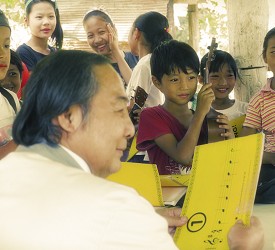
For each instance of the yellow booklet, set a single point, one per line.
(237, 125)
(171, 195)
(133, 150)
(221, 190)
(174, 180)
(144, 178)
(159, 190)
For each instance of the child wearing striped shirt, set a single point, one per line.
(260, 117)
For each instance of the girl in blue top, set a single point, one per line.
(42, 17)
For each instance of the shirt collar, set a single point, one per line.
(267, 87)
(84, 166)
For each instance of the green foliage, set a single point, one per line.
(212, 23)
(12, 3)
(181, 33)
(14, 9)
(15, 12)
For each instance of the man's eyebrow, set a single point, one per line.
(122, 98)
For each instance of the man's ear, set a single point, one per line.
(70, 120)
(156, 82)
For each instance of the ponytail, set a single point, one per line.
(57, 35)
(155, 28)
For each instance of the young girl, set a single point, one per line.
(42, 17)
(148, 31)
(170, 132)
(102, 38)
(9, 103)
(260, 117)
(223, 73)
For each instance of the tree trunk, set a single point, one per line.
(193, 26)
(170, 17)
(247, 27)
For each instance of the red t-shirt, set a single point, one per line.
(155, 122)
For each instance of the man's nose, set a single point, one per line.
(129, 128)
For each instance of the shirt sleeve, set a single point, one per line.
(253, 115)
(27, 57)
(134, 224)
(141, 76)
(151, 126)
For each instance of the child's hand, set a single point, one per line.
(224, 124)
(131, 104)
(205, 98)
(134, 112)
(136, 117)
(113, 41)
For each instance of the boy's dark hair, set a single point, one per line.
(171, 55)
(16, 60)
(3, 20)
(155, 28)
(56, 83)
(57, 35)
(269, 34)
(220, 58)
(98, 13)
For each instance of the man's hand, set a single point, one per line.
(173, 217)
(241, 237)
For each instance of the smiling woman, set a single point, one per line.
(102, 38)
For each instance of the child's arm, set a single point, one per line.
(183, 151)
(124, 68)
(248, 131)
